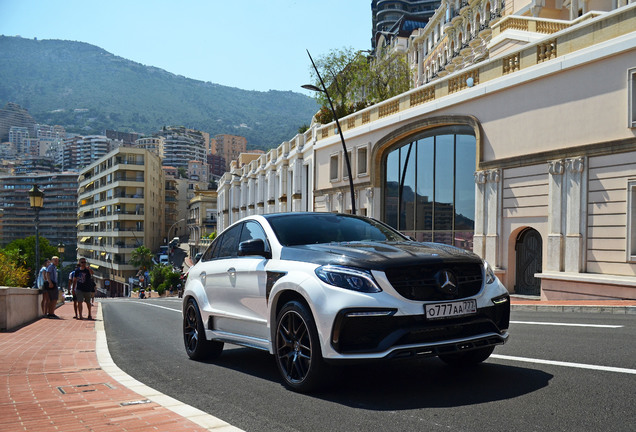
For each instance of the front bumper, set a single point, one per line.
(358, 335)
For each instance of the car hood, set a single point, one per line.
(377, 255)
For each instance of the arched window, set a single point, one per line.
(429, 189)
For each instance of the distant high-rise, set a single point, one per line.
(386, 13)
(182, 145)
(14, 115)
(229, 146)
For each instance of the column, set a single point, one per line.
(493, 197)
(554, 259)
(479, 239)
(576, 214)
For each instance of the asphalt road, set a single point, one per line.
(559, 372)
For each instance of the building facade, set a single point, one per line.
(58, 216)
(202, 214)
(121, 205)
(182, 145)
(549, 148)
(229, 147)
(386, 13)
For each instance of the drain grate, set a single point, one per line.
(84, 388)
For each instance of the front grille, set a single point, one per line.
(356, 335)
(420, 283)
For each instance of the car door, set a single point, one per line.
(217, 271)
(250, 284)
(235, 285)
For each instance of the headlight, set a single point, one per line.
(348, 278)
(490, 274)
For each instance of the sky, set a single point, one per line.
(249, 44)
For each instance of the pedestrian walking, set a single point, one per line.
(84, 287)
(71, 289)
(40, 284)
(51, 287)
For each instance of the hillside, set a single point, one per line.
(87, 90)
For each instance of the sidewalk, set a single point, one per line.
(524, 303)
(57, 375)
(52, 380)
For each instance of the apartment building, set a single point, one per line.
(229, 147)
(202, 214)
(155, 144)
(58, 216)
(182, 145)
(121, 206)
(385, 14)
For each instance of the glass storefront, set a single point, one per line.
(429, 187)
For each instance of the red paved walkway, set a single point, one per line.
(50, 380)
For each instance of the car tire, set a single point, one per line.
(297, 348)
(467, 358)
(196, 345)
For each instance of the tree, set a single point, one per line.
(302, 129)
(356, 80)
(23, 250)
(163, 277)
(141, 257)
(12, 274)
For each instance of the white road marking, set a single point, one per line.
(157, 306)
(565, 364)
(566, 324)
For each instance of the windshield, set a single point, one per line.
(313, 228)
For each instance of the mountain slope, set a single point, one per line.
(88, 90)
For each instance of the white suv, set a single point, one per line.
(320, 288)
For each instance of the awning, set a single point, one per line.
(84, 239)
(96, 267)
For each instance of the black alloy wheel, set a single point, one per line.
(298, 354)
(196, 345)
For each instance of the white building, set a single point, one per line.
(527, 157)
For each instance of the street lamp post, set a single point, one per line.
(60, 249)
(36, 201)
(342, 140)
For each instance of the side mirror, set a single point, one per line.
(253, 247)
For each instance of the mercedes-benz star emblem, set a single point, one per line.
(447, 282)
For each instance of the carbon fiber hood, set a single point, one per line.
(377, 255)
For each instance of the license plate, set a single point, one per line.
(450, 309)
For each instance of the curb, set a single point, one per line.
(107, 364)
(617, 310)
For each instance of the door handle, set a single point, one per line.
(202, 276)
(231, 271)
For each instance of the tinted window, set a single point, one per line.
(252, 230)
(211, 251)
(429, 188)
(229, 241)
(293, 230)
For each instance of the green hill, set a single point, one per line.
(88, 90)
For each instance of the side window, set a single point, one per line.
(212, 250)
(253, 230)
(229, 242)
